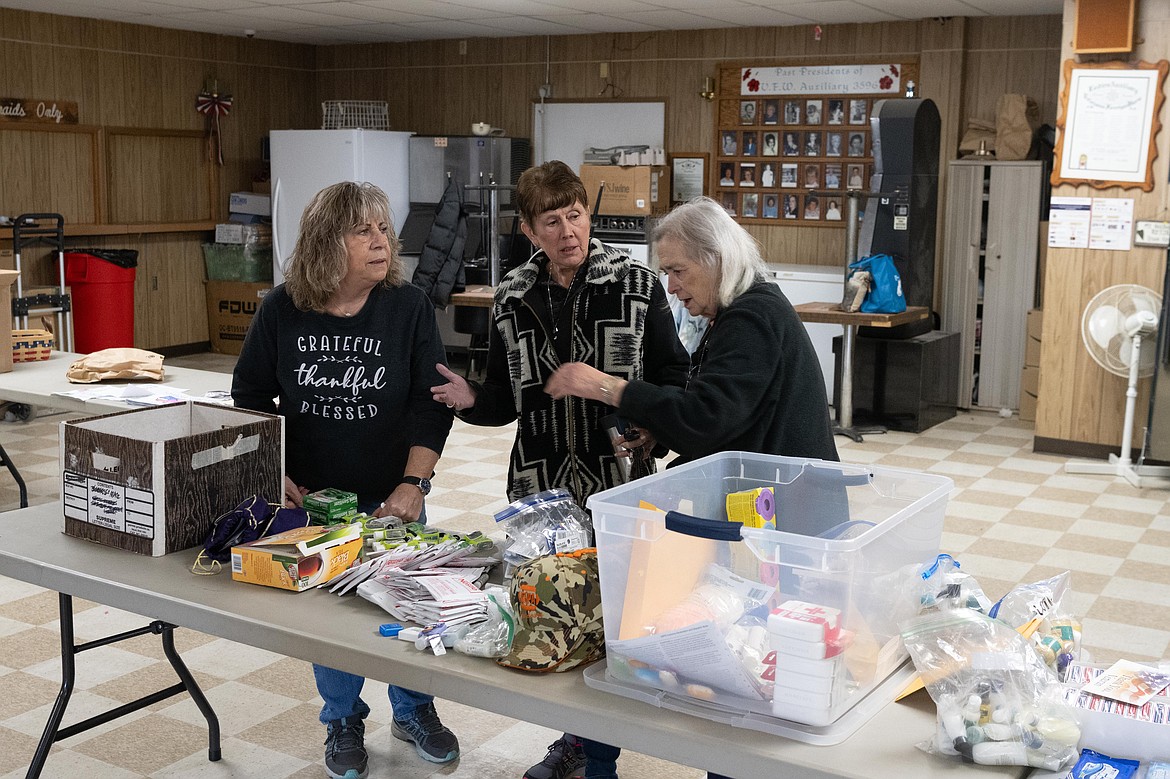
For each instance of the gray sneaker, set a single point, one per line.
(432, 740)
(565, 760)
(345, 749)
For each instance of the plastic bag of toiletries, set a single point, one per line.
(942, 586)
(1026, 602)
(544, 523)
(492, 637)
(720, 596)
(998, 703)
(1057, 635)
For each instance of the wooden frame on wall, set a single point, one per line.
(786, 130)
(688, 175)
(1109, 123)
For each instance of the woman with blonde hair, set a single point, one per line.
(348, 348)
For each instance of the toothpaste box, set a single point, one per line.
(298, 559)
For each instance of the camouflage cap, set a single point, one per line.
(557, 600)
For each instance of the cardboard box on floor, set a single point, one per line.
(1030, 378)
(1029, 392)
(153, 480)
(631, 190)
(230, 308)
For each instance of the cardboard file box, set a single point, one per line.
(152, 481)
(298, 559)
(640, 189)
(845, 536)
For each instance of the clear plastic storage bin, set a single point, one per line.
(847, 543)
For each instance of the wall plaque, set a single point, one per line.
(32, 109)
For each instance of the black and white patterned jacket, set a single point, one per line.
(621, 324)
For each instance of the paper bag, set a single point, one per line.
(1016, 120)
(979, 135)
(120, 363)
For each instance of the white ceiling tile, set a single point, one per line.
(1016, 8)
(610, 7)
(239, 20)
(912, 9)
(337, 21)
(669, 20)
(205, 5)
(587, 22)
(837, 12)
(508, 7)
(559, 24)
(448, 28)
(363, 12)
(753, 16)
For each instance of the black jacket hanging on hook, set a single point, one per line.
(440, 265)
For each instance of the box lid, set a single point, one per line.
(309, 540)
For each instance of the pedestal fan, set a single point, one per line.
(1115, 323)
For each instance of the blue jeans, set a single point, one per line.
(342, 694)
(601, 761)
(341, 691)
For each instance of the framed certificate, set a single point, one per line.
(1109, 123)
(688, 176)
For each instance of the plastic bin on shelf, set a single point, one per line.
(102, 282)
(847, 538)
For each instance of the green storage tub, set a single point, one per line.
(237, 262)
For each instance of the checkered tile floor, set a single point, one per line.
(1014, 516)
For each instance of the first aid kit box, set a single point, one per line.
(797, 624)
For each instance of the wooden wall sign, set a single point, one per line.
(31, 109)
(786, 131)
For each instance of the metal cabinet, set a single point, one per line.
(989, 274)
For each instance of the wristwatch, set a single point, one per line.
(424, 485)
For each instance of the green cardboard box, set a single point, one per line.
(330, 505)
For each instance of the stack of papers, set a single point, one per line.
(427, 597)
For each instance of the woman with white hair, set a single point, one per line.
(755, 382)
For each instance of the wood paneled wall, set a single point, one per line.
(142, 77)
(135, 90)
(1079, 401)
(433, 89)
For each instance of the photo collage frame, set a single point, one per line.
(783, 148)
(778, 154)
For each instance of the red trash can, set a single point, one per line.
(102, 282)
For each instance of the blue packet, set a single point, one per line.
(1094, 765)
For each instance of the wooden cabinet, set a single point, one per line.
(989, 274)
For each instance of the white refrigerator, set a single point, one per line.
(814, 284)
(306, 161)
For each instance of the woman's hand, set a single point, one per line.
(584, 381)
(639, 443)
(405, 502)
(293, 494)
(456, 393)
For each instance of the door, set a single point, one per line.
(961, 300)
(1009, 281)
(304, 162)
